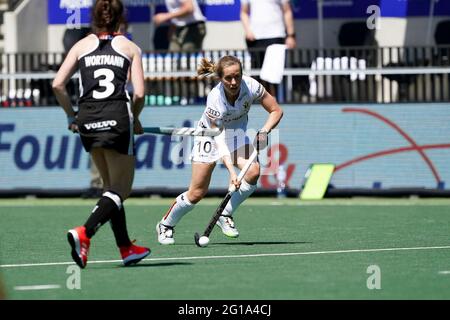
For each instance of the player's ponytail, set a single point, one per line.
(208, 68)
(107, 15)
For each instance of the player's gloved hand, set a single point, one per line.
(72, 124)
(261, 140)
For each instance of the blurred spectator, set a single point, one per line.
(189, 24)
(267, 22)
(73, 35)
(161, 37)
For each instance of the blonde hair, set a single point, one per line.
(208, 68)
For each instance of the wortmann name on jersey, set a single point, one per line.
(105, 59)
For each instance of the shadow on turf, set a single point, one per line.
(253, 243)
(159, 264)
(144, 264)
(260, 243)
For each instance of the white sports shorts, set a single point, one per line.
(205, 148)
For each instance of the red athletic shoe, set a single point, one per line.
(133, 254)
(80, 245)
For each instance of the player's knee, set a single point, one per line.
(196, 195)
(124, 193)
(253, 173)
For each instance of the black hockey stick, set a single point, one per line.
(225, 200)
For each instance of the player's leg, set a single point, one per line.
(102, 168)
(79, 237)
(121, 173)
(111, 201)
(185, 202)
(248, 186)
(204, 157)
(118, 221)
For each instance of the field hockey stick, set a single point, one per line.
(224, 202)
(183, 131)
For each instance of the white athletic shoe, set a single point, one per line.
(165, 234)
(227, 225)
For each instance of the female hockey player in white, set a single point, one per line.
(228, 103)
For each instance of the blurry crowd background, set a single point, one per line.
(320, 35)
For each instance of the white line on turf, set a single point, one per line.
(444, 272)
(37, 287)
(235, 256)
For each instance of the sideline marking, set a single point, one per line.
(37, 287)
(444, 272)
(233, 256)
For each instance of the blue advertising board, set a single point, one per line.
(373, 146)
(308, 9)
(139, 11)
(62, 11)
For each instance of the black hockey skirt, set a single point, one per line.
(106, 125)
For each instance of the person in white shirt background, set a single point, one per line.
(188, 22)
(267, 22)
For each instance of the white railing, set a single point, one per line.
(312, 75)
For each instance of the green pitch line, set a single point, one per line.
(286, 250)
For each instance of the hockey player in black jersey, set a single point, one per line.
(107, 120)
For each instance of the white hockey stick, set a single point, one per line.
(183, 131)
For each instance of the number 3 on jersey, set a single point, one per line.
(105, 83)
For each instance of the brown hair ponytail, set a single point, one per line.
(107, 15)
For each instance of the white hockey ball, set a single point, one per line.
(203, 241)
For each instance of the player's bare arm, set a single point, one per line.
(134, 53)
(63, 76)
(273, 108)
(186, 8)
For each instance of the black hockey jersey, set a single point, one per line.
(103, 73)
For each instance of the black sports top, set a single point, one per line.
(103, 73)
